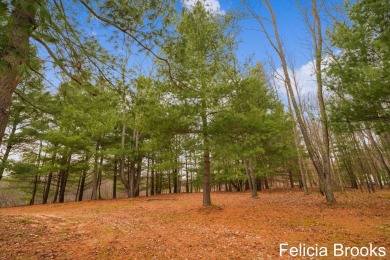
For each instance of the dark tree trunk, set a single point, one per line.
(290, 176)
(259, 184)
(78, 187)
(57, 187)
(186, 168)
(82, 186)
(266, 184)
(235, 185)
(169, 183)
(115, 179)
(83, 177)
(34, 192)
(152, 181)
(47, 189)
(175, 181)
(64, 178)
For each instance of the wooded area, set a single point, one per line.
(82, 119)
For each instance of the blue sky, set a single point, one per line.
(252, 42)
(292, 30)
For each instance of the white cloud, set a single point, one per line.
(212, 6)
(304, 77)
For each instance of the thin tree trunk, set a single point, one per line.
(57, 187)
(124, 180)
(114, 182)
(64, 178)
(95, 180)
(322, 167)
(100, 175)
(147, 177)
(186, 169)
(32, 200)
(290, 177)
(152, 178)
(138, 179)
(251, 178)
(368, 153)
(380, 155)
(297, 145)
(206, 159)
(169, 183)
(47, 189)
(83, 177)
(8, 147)
(131, 180)
(318, 42)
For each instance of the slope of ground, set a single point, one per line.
(177, 227)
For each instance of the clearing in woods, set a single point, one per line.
(176, 226)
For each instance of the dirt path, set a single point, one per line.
(177, 227)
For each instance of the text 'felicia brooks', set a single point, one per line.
(338, 250)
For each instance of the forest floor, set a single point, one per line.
(176, 226)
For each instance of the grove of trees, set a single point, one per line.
(158, 102)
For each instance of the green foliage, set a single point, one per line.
(252, 126)
(197, 102)
(359, 74)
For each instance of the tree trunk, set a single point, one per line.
(186, 168)
(57, 187)
(95, 180)
(64, 177)
(34, 192)
(206, 159)
(376, 176)
(15, 53)
(152, 178)
(138, 179)
(147, 178)
(100, 175)
(124, 180)
(47, 189)
(290, 177)
(82, 186)
(83, 177)
(10, 143)
(321, 167)
(131, 180)
(169, 183)
(115, 179)
(175, 181)
(380, 155)
(251, 178)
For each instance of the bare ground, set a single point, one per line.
(177, 227)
